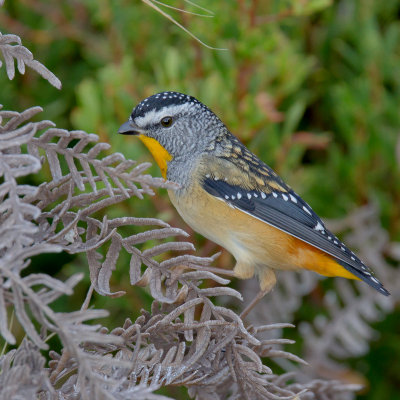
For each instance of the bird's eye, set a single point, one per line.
(166, 122)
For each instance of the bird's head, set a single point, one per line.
(172, 126)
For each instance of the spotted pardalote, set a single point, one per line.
(231, 197)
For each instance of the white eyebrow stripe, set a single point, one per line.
(154, 116)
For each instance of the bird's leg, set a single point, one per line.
(267, 282)
(253, 303)
(243, 270)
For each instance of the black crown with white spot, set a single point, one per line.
(164, 99)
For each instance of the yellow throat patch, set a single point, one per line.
(160, 155)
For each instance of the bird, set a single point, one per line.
(227, 194)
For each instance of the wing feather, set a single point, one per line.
(285, 210)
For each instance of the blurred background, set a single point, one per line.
(310, 86)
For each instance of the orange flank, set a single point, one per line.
(318, 261)
(257, 246)
(158, 152)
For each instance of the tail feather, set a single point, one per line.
(366, 276)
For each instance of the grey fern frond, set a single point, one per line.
(23, 374)
(17, 227)
(346, 331)
(203, 363)
(323, 389)
(12, 49)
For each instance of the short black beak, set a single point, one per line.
(129, 128)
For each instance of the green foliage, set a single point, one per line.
(312, 87)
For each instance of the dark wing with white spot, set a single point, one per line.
(286, 211)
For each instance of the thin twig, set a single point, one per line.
(166, 15)
(181, 9)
